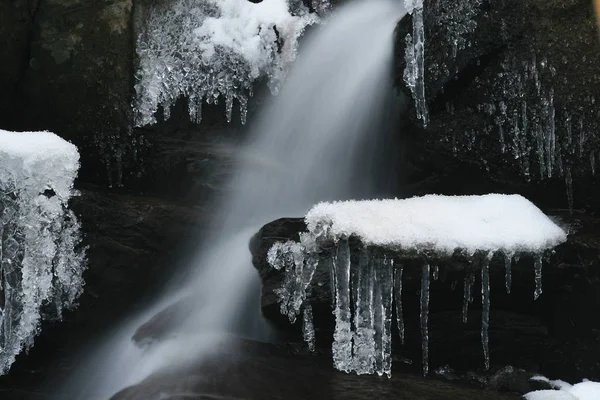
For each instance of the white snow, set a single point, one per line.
(42, 157)
(586, 390)
(494, 222)
(209, 49)
(41, 263)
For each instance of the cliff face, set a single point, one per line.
(511, 88)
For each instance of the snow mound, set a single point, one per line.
(494, 222)
(209, 49)
(41, 260)
(586, 390)
(550, 395)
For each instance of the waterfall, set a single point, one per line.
(319, 139)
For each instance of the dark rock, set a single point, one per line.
(519, 71)
(252, 370)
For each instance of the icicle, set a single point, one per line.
(308, 328)
(386, 284)
(342, 336)
(398, 273)
(538, 264)
(569, 185)
(414, 73)
(468, 295)
(228, 106)
(425, 317)
(508, 269)
(436, 272)
(485, 307)
(364, 327)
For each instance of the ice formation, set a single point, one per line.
(209, 50)
(414, 72)
(586, 390)
(367, 277)
(41, 260)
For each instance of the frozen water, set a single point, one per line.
(538, 264)
(211, 50)
(398, 272)
(41, 262)
(508, 271)
(414, 72)
(485, 309)
(342, 336)
(425, 281)
(509, 223)
(468, 295)
(308, 327)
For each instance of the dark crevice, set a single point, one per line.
(461, 80)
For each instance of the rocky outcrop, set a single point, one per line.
(553, 335)
(511, 88)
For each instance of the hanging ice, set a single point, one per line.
(342, 336)
(485, 308)
(468, 295)
(364, 318)
(538, 276)
(209, 50)
(425, 279)
(398, 272)
(366, 281)
(414, 72)
(41, 262)
(508, 271)
(308, 327)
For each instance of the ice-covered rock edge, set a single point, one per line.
(41, 257)
(209, 50)
(365, 291)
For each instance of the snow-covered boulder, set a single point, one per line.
(366, 245)
(41, 259)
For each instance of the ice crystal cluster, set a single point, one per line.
(215, 50)
(41, 260)
(367, 280)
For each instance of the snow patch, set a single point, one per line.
(586, 390)
(494, 222)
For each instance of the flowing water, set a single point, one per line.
(320, 139)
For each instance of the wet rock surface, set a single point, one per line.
(554, 335)
(250, 370)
